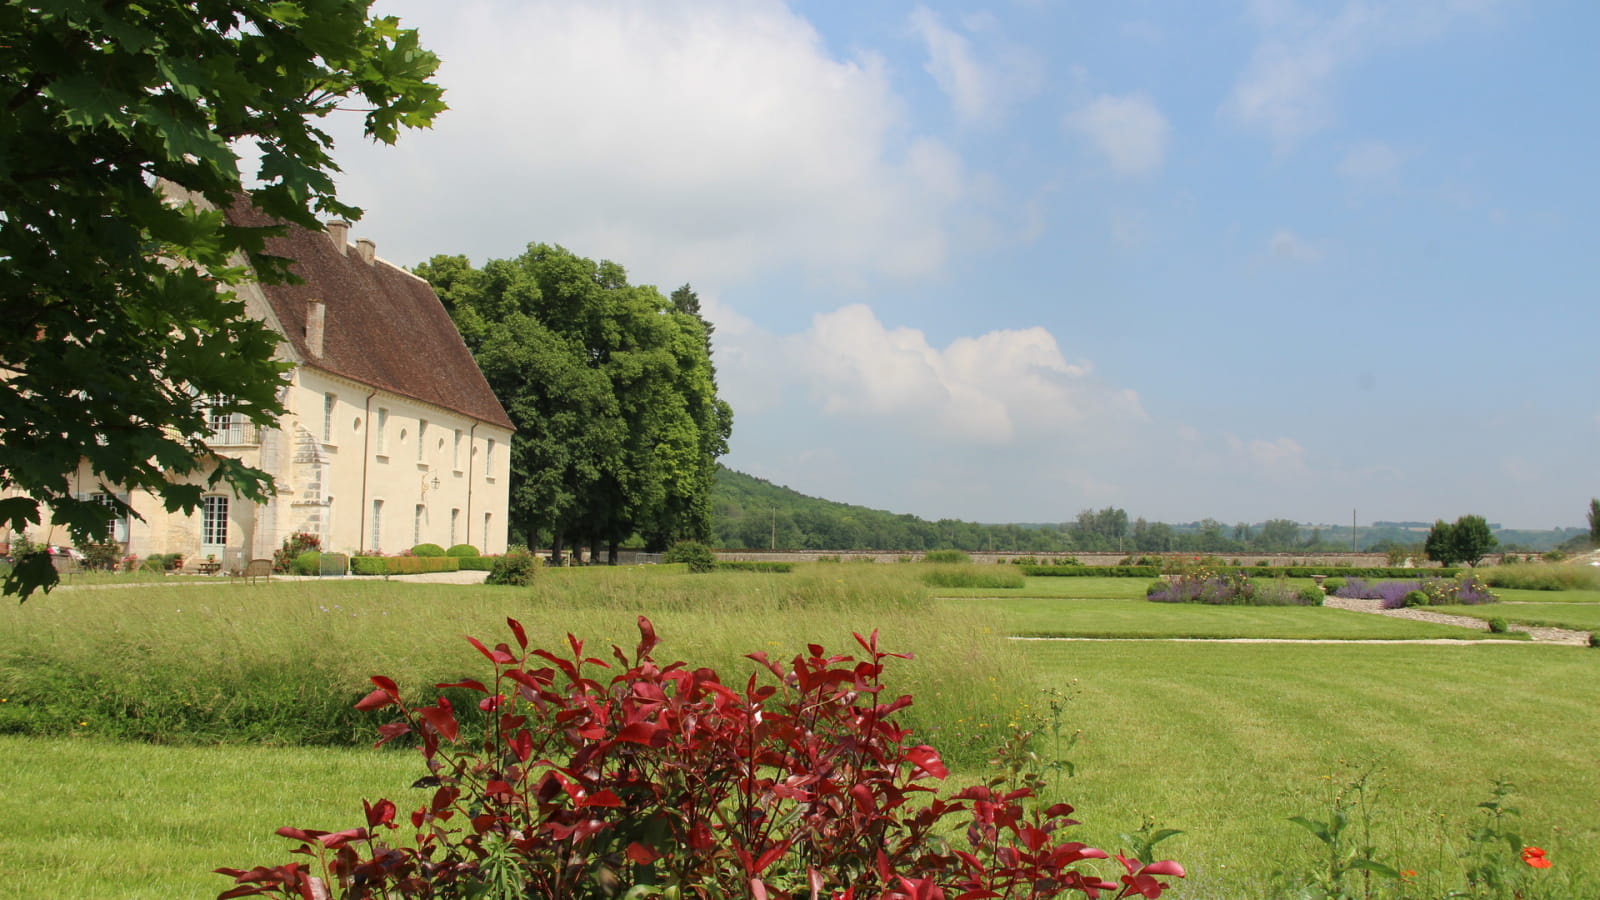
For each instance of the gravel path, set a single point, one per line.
(1542, 635)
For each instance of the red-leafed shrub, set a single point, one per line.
(662, 781)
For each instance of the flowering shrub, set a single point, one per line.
(293, 546)
(1464, 590)
(665, 782)
(1204, 582)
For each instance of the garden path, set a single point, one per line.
(1542, 635)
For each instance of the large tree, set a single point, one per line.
(612, 390)
(120, 331)
(1468, 540)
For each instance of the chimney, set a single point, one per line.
(316, 322)
(367, 250)
(339, 233)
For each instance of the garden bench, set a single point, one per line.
(257, 568)
(66, 565)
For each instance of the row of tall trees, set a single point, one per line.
(611, 388)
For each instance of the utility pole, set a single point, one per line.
(774, 528)
(1352, 531)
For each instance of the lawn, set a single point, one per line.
(1041, 617)
(1511, 595)
(1222, 740)
(1574, 616)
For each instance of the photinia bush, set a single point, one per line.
(661, 781)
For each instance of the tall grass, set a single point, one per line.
(1543, 577)
(283, 663)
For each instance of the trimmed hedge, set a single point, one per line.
(1093, 571)
(463, 550)
(402, 565)
(476, 563)
(756, 566)
(427, 550)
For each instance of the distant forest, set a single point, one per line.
(755, 514)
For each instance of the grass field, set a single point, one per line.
(1222, 740)
(1574, 616)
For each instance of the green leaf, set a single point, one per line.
(88, 103)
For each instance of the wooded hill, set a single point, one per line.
(753, 513)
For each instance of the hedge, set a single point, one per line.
(476, 563)
(1093, 571)
(402, 565)
(756, 566)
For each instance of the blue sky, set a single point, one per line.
(1005, 262)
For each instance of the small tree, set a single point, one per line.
(1472, 539)
(1594, 521)
(1441, 545)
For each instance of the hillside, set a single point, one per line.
(753, 513)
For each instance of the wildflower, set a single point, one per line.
(1535, 857)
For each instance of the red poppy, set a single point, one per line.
(1535, 857)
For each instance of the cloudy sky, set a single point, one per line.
(1007, 261)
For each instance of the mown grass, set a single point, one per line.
(1086, 587)
(1044, 617)
(1224, 741)
(1574, 616)
(1512, 595)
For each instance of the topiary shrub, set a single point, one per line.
(1497, 625)
(307, 563)
(1594, 638)
(946, 556)
(462, 550)
(1333, 584)
(1415, 598)
(429, 550)
(1311, 596)
(517, 567)
(697, 556)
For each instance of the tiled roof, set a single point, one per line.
(384, 326)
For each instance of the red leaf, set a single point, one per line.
(465, 683)
(378, 699)
(638, 733)
(391, 731)
(641, 854)
(604, 797)
(647, 638)
(927, 759)
(498, 657)
(380, 813)
(516, 629)
(1164, 867)
(442, 719)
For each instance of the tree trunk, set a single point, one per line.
(555, 549)
(611, 553)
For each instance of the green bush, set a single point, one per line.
(1594, 638)
(946, 556)
(1092, 571)
(463, 550)
(102, 555)
(402, 565)
(757, 566)
(427, 550)
(697, 556)
(477, 563)
(516, 568)
(334, 564)
(295, 544)
(1311, 595)
(1415, 598)
(1333, 584)
(1497, 625)
(307, 563)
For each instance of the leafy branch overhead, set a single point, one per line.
(122, 333)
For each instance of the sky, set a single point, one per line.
(1005, 262)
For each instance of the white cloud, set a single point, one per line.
(1285, 244)
(708, 141)
(1371, 161)
(1287, 87)
(979, 91)
(1129, 131)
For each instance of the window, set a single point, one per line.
(377, 526)
(422, 432)
(486, 518)
(455, 458)
(214, 521)
(383, 422)
(117, 528)
(488, 460)
(328, 401)
(455, 519)
(416, 526)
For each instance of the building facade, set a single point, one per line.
(391, 435)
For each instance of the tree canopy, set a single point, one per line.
(611, 387)
(121, 333)
(1467, 540)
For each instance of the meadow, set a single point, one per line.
(155, 732)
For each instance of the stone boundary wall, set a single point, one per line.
(1356, 560)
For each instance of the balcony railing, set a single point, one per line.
(239, 434)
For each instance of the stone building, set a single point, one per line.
(391, 437)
